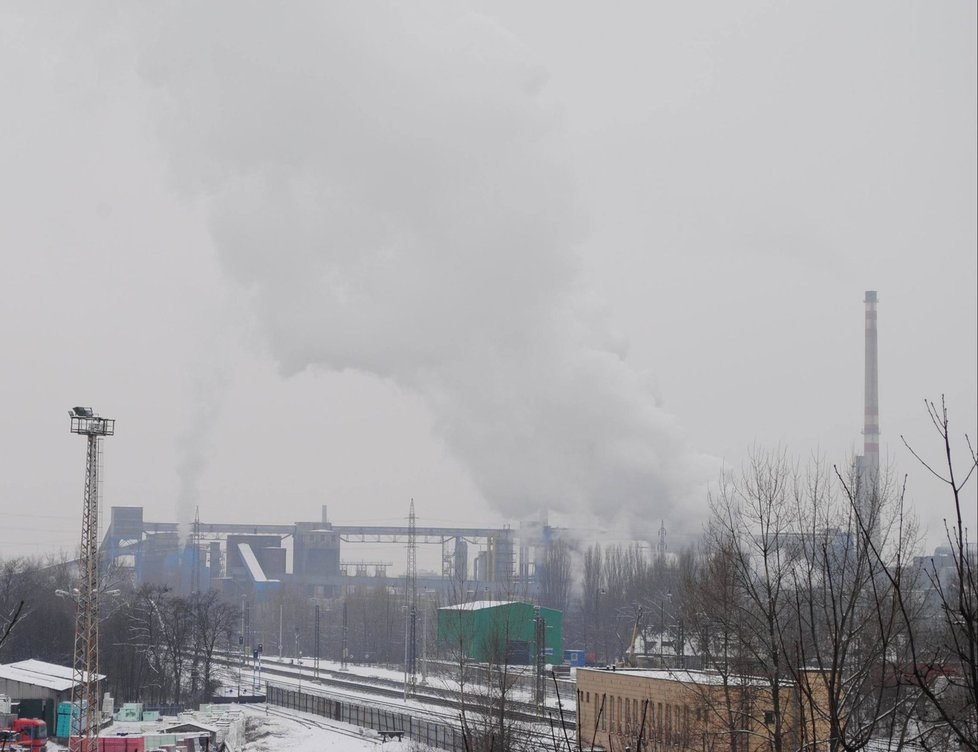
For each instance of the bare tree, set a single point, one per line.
(715, 611)
(212, 618)
(148, 636)
(942, 659)
(751, 523)
(33, 620)
(591, 603)
(847, 639)
(555, 582)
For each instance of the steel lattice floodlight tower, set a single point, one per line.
(85, 687)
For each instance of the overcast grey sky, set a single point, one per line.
(500, 257)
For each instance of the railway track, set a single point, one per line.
(354, 687)
(336, 728)
(436, 729)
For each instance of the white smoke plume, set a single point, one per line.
(386, 181)
(194, 448)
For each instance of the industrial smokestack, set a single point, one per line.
(868, 465)
(871, 425)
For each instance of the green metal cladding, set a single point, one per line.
(497, 632)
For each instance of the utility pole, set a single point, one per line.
(662, 628)
(256, 667)
(424, 638)
(195, 555)
(343, 654)
(406, 659)
(540, 633)
(84, 689)
(411, 588)
(316, 670)
(241, 642)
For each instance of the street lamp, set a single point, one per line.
(75, 592)
(678, 650)
(662, 628)
(77, 596)
(602, 640)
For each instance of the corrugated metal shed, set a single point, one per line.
(498, 632)
(38, 686)
(40, 674)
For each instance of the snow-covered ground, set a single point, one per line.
(268, 730)
(434, 680)
(271, 729)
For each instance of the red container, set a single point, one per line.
(122, 744)
(114, 744)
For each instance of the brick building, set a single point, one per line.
(692, 710)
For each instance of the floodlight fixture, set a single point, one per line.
(86, 422)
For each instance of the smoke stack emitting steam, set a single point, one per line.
(386, 185)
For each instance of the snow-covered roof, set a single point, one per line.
(41, 674)
(687, 676)
(170, 727)
(476, 605)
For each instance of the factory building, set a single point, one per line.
(257, 560)
(498, 632)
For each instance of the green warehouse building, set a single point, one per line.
(498, 631)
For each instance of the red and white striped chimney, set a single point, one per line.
(871, 425)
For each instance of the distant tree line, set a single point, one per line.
(154, 646)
